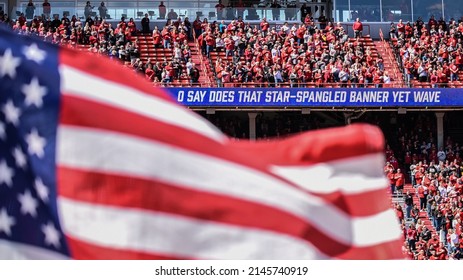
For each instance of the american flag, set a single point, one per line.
(96, 164)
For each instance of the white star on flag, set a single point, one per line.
(36, 144)
(6, 222)
(19, 157)
(28, 203)
(51, 235)
(41, 189)
(11, 112)
(2, 131)
(33, 52)
(34, 93)
(8, 64)
(6, 174)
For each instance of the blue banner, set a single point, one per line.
(318, 97)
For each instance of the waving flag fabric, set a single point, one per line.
(96, 164)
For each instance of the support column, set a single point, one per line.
(11, 10)
(440, 130)
(252, 126)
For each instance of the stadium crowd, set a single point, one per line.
(118, 42)
(436, 182)
(307, 54)
(431, 53)
(298, 54)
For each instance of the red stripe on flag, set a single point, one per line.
(109, 70)
(321, 146)
(384, 251)
(114, 190)
(355, 204)
(105, 117)
(82, 250)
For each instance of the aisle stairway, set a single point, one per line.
(416, 201)
(148, 51)
(390, 63)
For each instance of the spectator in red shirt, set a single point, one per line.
(210, 42)
(197, 26)
(157, 38)
(264, 26)
(401, 29)
(453, 71)
(411, 237)
(399, 181)
(400, 213)
(422, 193)
(358, 28)
(392, 180)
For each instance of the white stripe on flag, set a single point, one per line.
(116, 153)
(174, 235)
(130, 99)
(19, 251)
(340, 175)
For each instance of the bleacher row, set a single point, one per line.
(238, 54)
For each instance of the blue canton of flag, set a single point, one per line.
(29, 98)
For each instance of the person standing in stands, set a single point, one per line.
(103, 10)
(145, 25)
(88, 9)
(162, 10)
(194, 74)
(46, 7)
(408, 205)
(172, 14)
(358, 28)
(399, 181)
(30, 8)
(219, 10)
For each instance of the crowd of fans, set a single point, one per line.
(297, 54)
(306, 54)
(431, 53)
(263, 55)
(437, 186)
(118, 42)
